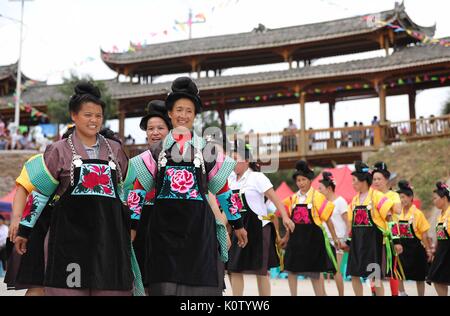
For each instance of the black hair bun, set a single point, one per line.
(361, 167)
(184, 84)
(301, 165)
(380, 166)
(327, 175)
(85, 87)
(404, 185)
(157, 106)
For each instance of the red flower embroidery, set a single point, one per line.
(133, 200)
(395, 230)
(90, 180)
(28, 206)
(103, 179)
(404, 230)
(182, 181)
(361, 217)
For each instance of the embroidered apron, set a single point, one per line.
(440, 267)
(366, 247)
(250, 258)
(306, 251)
(413, 257)
(182, 235)
(90, 230)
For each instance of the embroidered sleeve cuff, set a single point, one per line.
(230, 204)
(135, 203)
(236, 224)
(24, 231)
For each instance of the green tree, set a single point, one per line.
(58, 108)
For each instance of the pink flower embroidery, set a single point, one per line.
(182, 181)
(170, 172)
(440, 234)
(361, 217)
(395, 230)
(193, 194)
(301, 216)
(137, 210)
(236, 201)
(133, 200)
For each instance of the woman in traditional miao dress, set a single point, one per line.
(89, 244)
(439, 273)
(156, 123)
(339, 218)
(184, 247)
(381, 178)
(260, 254)
(308, 249)
(368, 214)
(413, 231)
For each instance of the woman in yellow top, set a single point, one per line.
(413, 228)
(439, 272)
(308, 249)
(381, 176)
(368, 213)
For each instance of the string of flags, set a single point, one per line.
(425, 39)
(176, 28)
(355, 86)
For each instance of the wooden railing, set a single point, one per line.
(416, 129)
(298, 143)
(302, 143)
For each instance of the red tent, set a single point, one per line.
(6, 203)
(343, 178)
(283, 191)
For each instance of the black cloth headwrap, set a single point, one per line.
(184, 87)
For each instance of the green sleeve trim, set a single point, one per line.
(221, 177)
(143, 175)
(39, 175)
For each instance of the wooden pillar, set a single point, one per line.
(223, 124)
(303, 142)
(331, 106)
(122, 124)
(412, 110)
(382, 96)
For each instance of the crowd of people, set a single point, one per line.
(175, 219)
(21, 140)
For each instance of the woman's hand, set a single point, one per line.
(133, 235)
(288, 224)
(398, 249)
(21, 245)
(228, 241)
(13, 228)
(282, 243)
(241, 235)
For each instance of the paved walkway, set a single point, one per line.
(280, 288)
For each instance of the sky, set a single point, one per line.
(66, 35)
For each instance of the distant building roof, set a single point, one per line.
(401, 60)
(259, 39)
